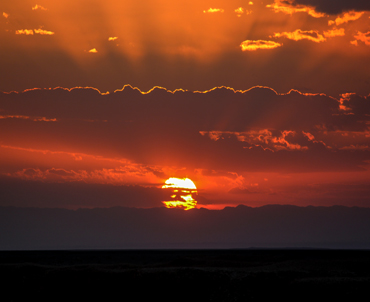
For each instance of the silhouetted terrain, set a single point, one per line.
(131, 228)
(185, 275)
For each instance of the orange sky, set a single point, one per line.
(194, 45)
(291, 124)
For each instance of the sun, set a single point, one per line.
(183, 192)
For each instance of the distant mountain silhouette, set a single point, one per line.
(273, 226)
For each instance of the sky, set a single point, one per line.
(257, 102)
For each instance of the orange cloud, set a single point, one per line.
(214, 10)
(260, 138)
(5, 15)
(25, 117)
(308, 135)
(298, 34)
(355, 147)
(49, 174)
(24, 32)
(239, 11)
(350, 16)
(287, 7)
(93, 50)
(43, 32)
(345, 97)
(252, 45)
(80, 167)
(334, 33)
(112, 38)
(32, 31)
(39, 7)
(266, 139)
(364, 37)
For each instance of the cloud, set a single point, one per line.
(230, 130)
(214, 10)
(112, 38)
(24, 32)
(312, 35)
(36, 7)
(53, 174)
(349, 16)
(290, 7)
(355, 147)
(144, 44)
(334, 33)
(263, 138)
(35, 119)
(5, 15)
(335, 7)
(240, 11)
(364, 37)
(93, 50)
(81, 167)
(43, 32)
(309, 135)
(252, 45)
(360, 106)
(36, 31)
(221, 139)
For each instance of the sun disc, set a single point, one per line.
(183, 191)
(183, 183)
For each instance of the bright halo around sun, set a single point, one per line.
(183, 191)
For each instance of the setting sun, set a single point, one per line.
(198, 110)
(183, 191)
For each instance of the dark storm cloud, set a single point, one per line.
(220, 109)
(336, 6)
(360, 106)
(258, 130)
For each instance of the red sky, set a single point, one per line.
(262, 102)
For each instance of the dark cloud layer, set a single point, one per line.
(257, 130)
(336, 6)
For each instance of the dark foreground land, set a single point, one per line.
(185, 275)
